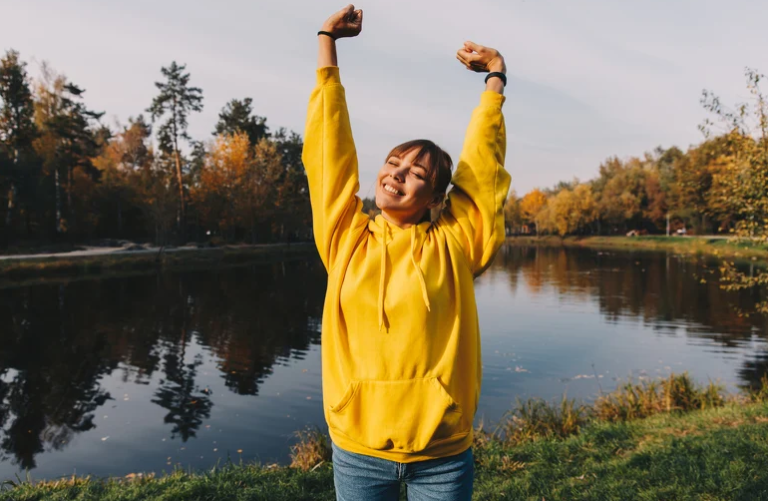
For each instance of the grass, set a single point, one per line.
(721, 247)
(13, 270)
(669, 439)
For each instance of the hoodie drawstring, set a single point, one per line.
(422, 282)
(419, 274)
(383, 273)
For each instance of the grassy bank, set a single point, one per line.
(132, 262)
(721, 247)
(666, 439)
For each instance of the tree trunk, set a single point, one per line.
(182, 215)
(57, 187)
(11, 200)
(12, 191)
(119, 216)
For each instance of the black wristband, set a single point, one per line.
(499, 75)
(326, 33)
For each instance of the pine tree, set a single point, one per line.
(237, 116)
(174, 103)
(17, 127)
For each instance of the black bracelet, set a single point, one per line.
(499, 75)
(326, 34)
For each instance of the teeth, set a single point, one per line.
(391, 189)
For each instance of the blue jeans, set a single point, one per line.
(365, 478)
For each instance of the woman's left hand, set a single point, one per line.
(481, 59)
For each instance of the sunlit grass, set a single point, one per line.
(663, 439)
(719, 247)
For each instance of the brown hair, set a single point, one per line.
(437, 162)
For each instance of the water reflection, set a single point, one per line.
(57, 342)
(197, 366)
(666, 292)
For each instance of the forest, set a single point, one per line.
(65, 176)
(719, 186)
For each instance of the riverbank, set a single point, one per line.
(136, 259)
(711, 246)
(641, 442)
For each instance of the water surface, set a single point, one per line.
(118, 375)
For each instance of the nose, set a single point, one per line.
(398, 173)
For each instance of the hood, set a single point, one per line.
(384, 232)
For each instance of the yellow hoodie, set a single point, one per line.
(400, 337)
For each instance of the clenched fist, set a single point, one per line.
(346, 23)
(481, 59)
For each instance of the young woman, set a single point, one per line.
(400, 340)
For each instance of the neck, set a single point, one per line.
(403, 223)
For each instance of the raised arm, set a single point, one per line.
(474, 211)
(329, 153)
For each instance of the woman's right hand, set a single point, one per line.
(346, 23)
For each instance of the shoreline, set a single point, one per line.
(664, 439)
(714, 246)
(111, 261)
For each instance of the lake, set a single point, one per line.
(113, 376)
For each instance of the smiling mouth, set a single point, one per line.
(392, 190)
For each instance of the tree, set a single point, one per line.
(67, 141)
(694, 178)
(123, 162)
(174, 103)
(744, 182)
(17, 126)
(513, 215)
(293, 211)
(236, 116)
(531, 204)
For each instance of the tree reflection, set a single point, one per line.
(187, 405)
(58, 341)
(665, 291)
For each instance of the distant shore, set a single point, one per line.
(716, 246)
(132, 258)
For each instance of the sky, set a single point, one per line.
(587, 79)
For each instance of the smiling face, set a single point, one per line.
(412, 181)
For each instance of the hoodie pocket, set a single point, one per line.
(404, 416)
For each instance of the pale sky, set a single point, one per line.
(588, 79)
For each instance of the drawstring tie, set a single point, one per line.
(419, 274)
(383, 273)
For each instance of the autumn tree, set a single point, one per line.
(513, 215)
(17, 127)
(531, 204)
(173, 105)
(744, 182)
(124, 163)
(569, 211)
(66, 141)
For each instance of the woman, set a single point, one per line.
(400, 340)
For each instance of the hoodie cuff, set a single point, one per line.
(328, 75)
(492, 99)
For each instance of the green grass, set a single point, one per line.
(717, 454)
(695, 444)
(683, 245)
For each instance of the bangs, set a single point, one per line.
(437, 162)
